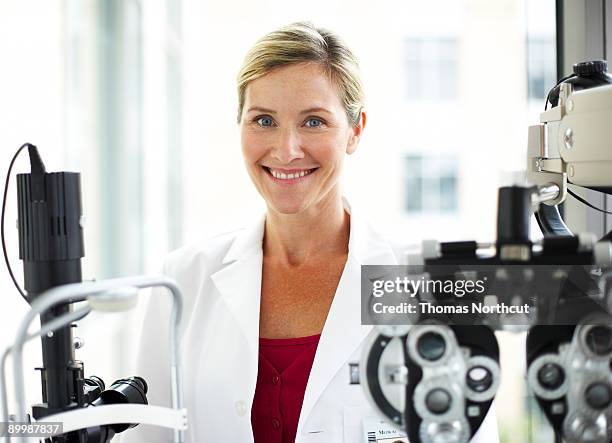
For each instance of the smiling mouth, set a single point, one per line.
(288, 175)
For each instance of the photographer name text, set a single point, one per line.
(430, 308)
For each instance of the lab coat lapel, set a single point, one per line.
(239, 282)
(343, 332)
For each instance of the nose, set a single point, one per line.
(287, 146)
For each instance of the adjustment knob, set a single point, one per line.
(551, 376)
(590, 68)
(78, 342)
(431, 346)
(598, 396)
(438, 401)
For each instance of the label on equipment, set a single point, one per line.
(379, 431)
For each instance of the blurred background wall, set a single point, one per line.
(139, 96)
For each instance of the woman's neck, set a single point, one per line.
(319, 232)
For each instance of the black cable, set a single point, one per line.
(8, 176)
(580, 199)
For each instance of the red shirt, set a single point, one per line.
(284, 368)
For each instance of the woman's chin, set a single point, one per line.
(287, 207)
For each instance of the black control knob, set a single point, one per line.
(598, 396)
(591, 67)
(551, 376)
(438, 401)
(431, 346)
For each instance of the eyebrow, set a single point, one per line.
(318, 109)
(257, 108)
(305, 111)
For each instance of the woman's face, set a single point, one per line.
(295, 134)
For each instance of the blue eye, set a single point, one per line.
(316, 122)
(264, 121)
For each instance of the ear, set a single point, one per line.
(356, 132)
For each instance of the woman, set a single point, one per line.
(273, 311)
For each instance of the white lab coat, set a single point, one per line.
(221, 281)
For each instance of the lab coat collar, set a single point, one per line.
(249, 240)
(364, 243)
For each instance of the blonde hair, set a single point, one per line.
(298, 43)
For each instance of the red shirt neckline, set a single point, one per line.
(289, 341)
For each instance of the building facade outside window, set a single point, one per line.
(431, 183)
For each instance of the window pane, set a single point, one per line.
(413, 184)
(540, 66)
(414, 194)
(431, 183)
(431, 68)
(448, 194)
